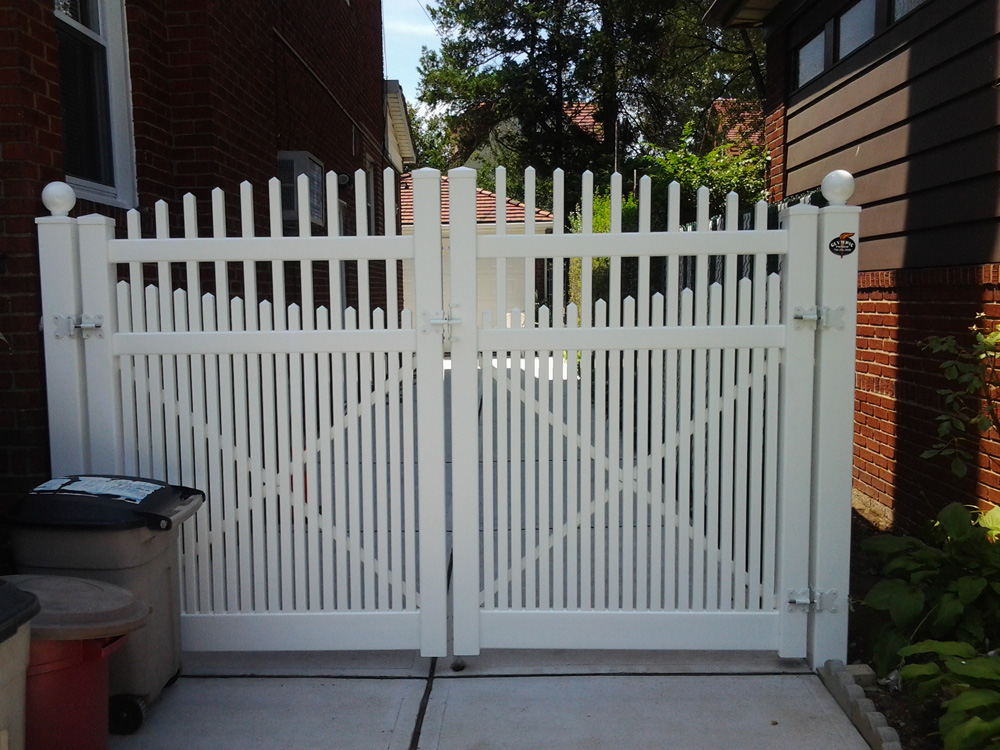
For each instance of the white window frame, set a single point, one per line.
(113, 37)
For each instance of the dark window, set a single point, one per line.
(83, 81)
(855, 27)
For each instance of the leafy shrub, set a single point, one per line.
(947, 589)
(970, 403)
(967, 685)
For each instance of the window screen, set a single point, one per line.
(857, 26)
(810, 59)
(901, 7)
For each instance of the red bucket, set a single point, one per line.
(66, 700)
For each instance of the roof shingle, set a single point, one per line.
(486, 205)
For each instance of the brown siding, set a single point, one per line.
(914, 116)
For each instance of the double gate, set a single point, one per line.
(636, 461)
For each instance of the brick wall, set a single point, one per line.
(216, 93)
(30, 155)
(897, 381)
(774, 117)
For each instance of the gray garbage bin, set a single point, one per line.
(124, 531)
(17, 607)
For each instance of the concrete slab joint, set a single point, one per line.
(842, 682)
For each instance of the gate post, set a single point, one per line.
(464, 414)
(100, 309)
(430, 413)
(796, 393)
(65, 378)
(833, 443)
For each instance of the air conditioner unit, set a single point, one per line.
(290, 165)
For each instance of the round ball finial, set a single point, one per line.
(58, 198)
(837, 187)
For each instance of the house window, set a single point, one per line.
(94, 91)
(810, 59)
(901, 7)
(855, 27)
(844, 34)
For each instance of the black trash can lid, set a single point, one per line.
(105, 502)
(16, 608)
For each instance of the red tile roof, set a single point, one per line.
(584, 116)
(486, 205)
(737, 122)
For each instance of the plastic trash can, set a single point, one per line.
(17, 607)
(124, 531)
(79, 624)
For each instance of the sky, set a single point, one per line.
(407, 29)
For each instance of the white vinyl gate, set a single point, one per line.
(642, 468)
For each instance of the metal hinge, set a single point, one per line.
(821, 317)
(445, 319)
(66, 326)
(818, 601)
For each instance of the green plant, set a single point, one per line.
(947, 588)
(970, 404)
(968, 686)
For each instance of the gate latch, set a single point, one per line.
(814, 599)
(445, 319)
(821, 317)
(66, 326)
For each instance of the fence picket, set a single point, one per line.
(602, 486)
(741, 493)
(574, 510)
(185, 436)
(503, 319)
(396, 500)
(215, 490)
(325, 497)
(544, 504)
(770, 513)
(699, 452)
(529, 263)
(286, 489)
(659, 493)
(627, 477)
(727, 457)
(518, 458)
(686, 500)
(298, 495)
(243, 495)
(272, 466)
(506, 461)
(671, 440)
(380, 550)
(490, 470)
(713, 411)
(410, 475)
(756, 500)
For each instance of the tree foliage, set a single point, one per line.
(510, 71)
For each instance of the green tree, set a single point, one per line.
(432, 140)
(509, 71)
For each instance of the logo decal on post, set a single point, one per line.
(843, 245)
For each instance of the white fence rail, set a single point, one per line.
(638, 469)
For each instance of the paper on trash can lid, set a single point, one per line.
(130, 490)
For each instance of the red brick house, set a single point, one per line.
(132, 101)
(902, 93)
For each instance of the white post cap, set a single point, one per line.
(59, 198)
(837, 187)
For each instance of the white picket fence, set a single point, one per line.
(665, 471)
